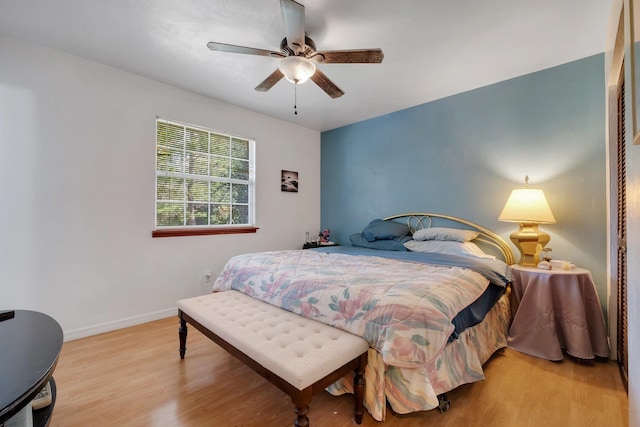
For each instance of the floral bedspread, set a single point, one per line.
(403, 309)
(416, 389)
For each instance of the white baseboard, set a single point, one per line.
(75, 334)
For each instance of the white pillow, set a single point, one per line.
(441, 233)
(447, 247)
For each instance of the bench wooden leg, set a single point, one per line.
(182, 335)
(358, 389)
(301, 401)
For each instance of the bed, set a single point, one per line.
(429, 292)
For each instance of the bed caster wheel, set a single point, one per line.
(443, 403)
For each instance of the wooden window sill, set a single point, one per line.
(177, 232)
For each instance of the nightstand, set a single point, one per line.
(555, 310)
(318, 245)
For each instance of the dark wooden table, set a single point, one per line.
(30, 344)
(318, 245)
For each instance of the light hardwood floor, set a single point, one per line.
(134, 377)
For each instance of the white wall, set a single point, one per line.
(77, 152)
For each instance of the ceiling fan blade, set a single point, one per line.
(270, 81)
(223, 47)
(356, 56)
(293, 15)
(326, 85)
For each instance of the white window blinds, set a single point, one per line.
(203, 178)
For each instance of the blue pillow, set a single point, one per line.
(379, 229)
(396, 244)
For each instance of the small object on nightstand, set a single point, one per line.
(43, 398)
(544, 265)
(563, 264)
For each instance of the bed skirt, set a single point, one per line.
(417, 389)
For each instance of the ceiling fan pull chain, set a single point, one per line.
(295, 98)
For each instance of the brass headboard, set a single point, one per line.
(418, 220)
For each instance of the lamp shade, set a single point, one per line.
(297, 69)
(527, 205)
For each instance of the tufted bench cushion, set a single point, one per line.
(306, 356)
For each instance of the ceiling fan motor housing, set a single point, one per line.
(308, 49)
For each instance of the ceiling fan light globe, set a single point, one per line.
(297, 69)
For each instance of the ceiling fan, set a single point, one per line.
(298, 55)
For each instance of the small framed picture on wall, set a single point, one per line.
(289, 181)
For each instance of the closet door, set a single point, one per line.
(621, 268)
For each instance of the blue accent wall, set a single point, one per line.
(462, 155)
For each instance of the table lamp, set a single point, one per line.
(528, 207)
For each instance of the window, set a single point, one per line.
(204, 181)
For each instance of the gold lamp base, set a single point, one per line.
(530, 241)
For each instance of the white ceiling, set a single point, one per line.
(432, 48)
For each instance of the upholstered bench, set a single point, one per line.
(298, 355)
